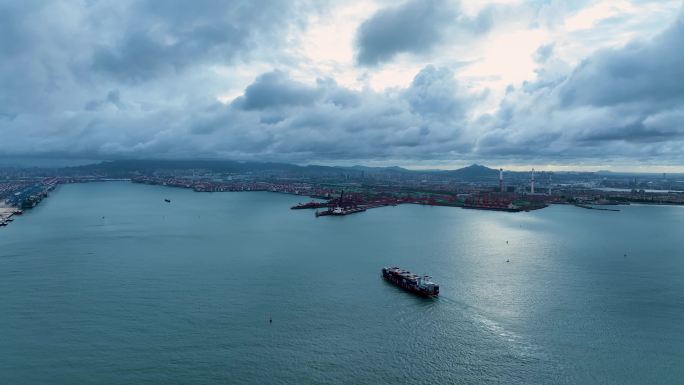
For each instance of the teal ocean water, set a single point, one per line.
(105, 283)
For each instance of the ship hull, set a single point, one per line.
(342, 213)
(310, 205)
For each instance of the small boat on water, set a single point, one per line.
(167, 200)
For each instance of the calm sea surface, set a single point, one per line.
(105, 283)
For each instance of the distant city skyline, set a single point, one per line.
(555, 85)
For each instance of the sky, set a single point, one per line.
(561, 85)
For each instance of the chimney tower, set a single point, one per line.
(532, 183)
(501, 188)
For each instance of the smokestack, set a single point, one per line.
(501, 189)
(549, 184)
(532, 183)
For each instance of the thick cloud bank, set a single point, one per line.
(105, 79)
(626, 102)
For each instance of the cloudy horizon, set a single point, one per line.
(583, 85)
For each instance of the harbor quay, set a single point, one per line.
(334, 193)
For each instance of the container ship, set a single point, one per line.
(340, 211)
(310, 205)
(421, 285)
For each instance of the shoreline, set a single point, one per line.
(7, 211)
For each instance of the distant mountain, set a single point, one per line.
(163, 164)
(377, 169)
(150, 165)
(123, 168)
(474, 171)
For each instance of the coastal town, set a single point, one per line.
(342, 191)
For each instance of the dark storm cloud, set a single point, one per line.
(418, 27)
(170, 35)
(641, 72)
(415, 27)
(275, 89)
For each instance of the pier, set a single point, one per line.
(6, 214)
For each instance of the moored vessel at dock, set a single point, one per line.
(509, 208)
(341, 206)
(421, 285)
(339, 211)
(310, 205)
